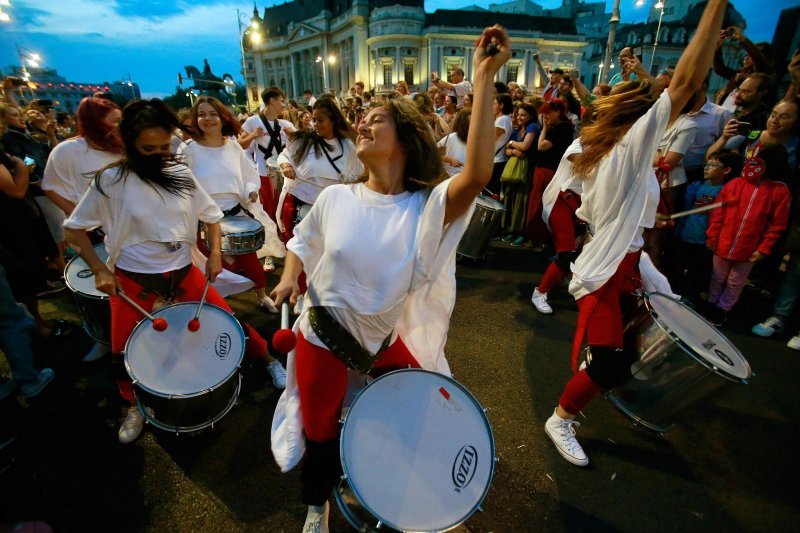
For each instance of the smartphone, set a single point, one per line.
(535, 57)
(29, 161)
(743, 128)
(638, 51)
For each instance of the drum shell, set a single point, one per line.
(668, 376)
(96, 314)
(185, 414)
(481, 228)
(275, 174)
(239, 243)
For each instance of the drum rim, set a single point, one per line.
(73, 289)
(500, 206)
(472, 398)
(686, 348)
(160, 394)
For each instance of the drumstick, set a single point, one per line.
(697, 210)
(194, 324)
(284, 340)
(159, 324)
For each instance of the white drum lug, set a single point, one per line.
(379, 525)
(344, 477)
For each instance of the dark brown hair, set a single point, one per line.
(230, 126)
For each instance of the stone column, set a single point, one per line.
(295, 75)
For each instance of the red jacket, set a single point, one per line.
(752, 219)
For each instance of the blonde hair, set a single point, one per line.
(614, 115)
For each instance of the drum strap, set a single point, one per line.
(236, 210)
(341, 342)
(167, 286)
(275, 146)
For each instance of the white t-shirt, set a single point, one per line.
(315, 172)
(619, 200)
(224, 172)
(133, 213)
(678, 138)
(454, 148)
(362, 276)
(503, 122)
(71, 167)
(461, 89)
(253, 152)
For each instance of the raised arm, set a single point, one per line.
(478, 165)
(794, 71)
(720, 68)
(693, 65)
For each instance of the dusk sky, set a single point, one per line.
(152, 40)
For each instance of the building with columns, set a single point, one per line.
(328, 45)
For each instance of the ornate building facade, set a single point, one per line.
(322, 45)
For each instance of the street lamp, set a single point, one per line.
(659, 5)
(612, 35)
(331, 60)
(4, 17)
(253, 36)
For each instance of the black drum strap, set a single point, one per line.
(330, 159)
(275, 146)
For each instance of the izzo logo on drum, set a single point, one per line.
(464, 467)
(222, 345)
(709, 345)
(85, 273)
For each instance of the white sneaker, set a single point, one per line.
(539, 301)
(794, 342)
(269, 264)
(562, 433)
(269, 304)
(278, 374)
(317, 519)
(132, 427)
(97, 351)
(773, 324)
(298, 307)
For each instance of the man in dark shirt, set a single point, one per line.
(751, 106)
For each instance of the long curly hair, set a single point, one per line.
(91, 124)
(613, 116)
(424, 167)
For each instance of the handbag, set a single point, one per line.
(515, 171)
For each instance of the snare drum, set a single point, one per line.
(682, 360)
(302, 212)
(186, 380)
(240, 235)
(417, 452)
(482, 226)
(92, 304)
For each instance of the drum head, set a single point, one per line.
(80, 278)
(490, 203)
(698, 335)
(177, 361)
(272, 162)
(418, 451)
(237, 225)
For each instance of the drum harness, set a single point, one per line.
(166, 286)
(341, 342)
(274, 133)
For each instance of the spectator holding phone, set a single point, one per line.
(758, 59)
(627, 68)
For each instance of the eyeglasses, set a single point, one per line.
(713, 165)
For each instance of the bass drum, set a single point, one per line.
(417, 452)
(482, 226)
(186, 380)
(682, 361)
(93, 305)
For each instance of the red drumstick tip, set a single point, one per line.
(284, 340)
(159, 324)
(194, 324)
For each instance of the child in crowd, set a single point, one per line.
(692, 260)
(745, 229)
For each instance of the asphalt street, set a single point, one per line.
(728, 464)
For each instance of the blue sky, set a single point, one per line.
(152, 40)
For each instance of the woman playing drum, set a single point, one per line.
(149, 204)
(73, 162)
(620, 197)
(222, 169)
(380, 258)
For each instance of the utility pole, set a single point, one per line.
(612, 35)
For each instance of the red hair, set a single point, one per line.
(92, 112)
(556, 105)
(230, 126)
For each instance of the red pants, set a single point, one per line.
(124, 317)
(247, 264)
(562, 227)
(288, 215)
(322, 384)
(600, 322)
(269, 197)
(534, 224)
